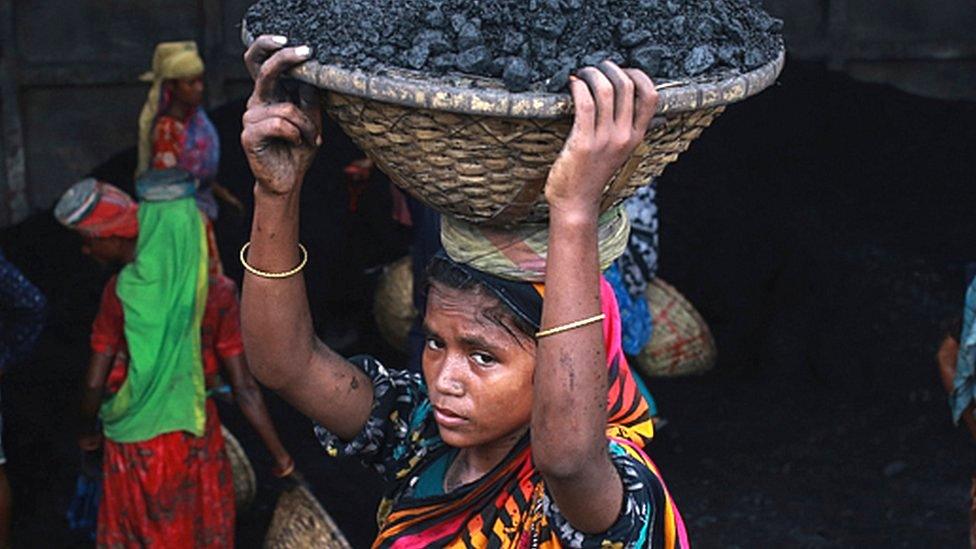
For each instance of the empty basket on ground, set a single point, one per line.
(471, 149)
(393, 303)
(245, 483)
(681, 343)
(299, 521)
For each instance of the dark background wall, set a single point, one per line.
(70, 95)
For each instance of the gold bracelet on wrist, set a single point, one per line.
(267, 274)
(571, 326)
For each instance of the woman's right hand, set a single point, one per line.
(90, 442)
(280, 138)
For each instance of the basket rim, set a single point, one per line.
(409, 89)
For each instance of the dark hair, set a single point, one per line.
(445, 272)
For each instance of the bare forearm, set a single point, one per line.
(92, 391)
(282, 348)
(251, 402)
(280, 139)
(276, 322)
(91, 400)
(569, 413)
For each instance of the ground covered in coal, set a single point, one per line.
(822, 229)
(528, 43)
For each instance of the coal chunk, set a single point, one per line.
(435, 41)
(699, 60)
(475, 60)
(457, 21)
(444, 62)
(497, 67)
(647, 59)
(635, 38)
(435, 19)
(595, 58)
(559, 80)
(469, 36)
(729, 54)
(626, 26)
(517, 74)
(550, 25)
(512, 41)
(416, 56)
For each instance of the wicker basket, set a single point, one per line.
(299, 521)
(245, 482)
(393, 303)
(473, 150)
(681, 344)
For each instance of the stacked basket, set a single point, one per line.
(470, 149)
(474, 151)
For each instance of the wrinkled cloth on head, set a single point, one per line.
(165, 185)
(519, 253)
(98, 209)
(522, 299)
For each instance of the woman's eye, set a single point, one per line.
(483, 360)
(433, 344)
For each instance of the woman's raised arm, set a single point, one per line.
(614, 108)
(280, 139)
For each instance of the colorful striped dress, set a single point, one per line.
(510, 506)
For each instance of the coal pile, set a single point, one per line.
(529, 44)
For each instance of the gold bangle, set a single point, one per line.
(570, 326)
(266, 274)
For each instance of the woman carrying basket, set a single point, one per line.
(526, 429)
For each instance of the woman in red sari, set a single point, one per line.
(175, 131)
(167, 478)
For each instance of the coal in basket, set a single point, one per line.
(475, 151)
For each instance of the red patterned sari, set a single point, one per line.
(176, 489)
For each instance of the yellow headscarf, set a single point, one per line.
(170, 60)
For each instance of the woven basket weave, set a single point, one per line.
(475, 151)
(393, 303)
(245, 482)
(299, 521)
(681, 344)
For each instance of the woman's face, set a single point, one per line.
(188, 90)
(478, 372)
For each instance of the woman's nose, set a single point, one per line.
(450, 378)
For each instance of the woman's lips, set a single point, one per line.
(447, 418)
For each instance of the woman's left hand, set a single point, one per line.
(614, 108)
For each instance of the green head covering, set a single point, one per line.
(163, 294)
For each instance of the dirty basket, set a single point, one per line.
(681, 343)
(299, 521)
(245, 482)
(393, 303)
(469, 148)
